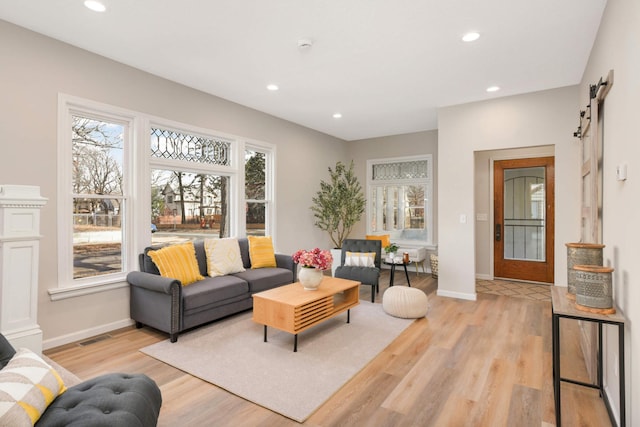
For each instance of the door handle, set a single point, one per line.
(498, 232)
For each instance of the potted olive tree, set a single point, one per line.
(338, 205)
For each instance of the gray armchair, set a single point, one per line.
(365, 275)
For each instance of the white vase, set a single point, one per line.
(310, 278)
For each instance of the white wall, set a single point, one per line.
(616, 48)
(35, 69)
(530, 120)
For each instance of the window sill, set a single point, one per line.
(56, 294)
(411, 245)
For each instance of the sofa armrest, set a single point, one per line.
(152, 282)
(286, 261)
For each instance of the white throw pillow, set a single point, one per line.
(359, 259)
(223, 256)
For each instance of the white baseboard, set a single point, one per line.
(459, 295)
(484, 277)
(85, 333)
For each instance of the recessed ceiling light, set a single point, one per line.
(272, 87)
(95, 5)
(493, 88)
(470, 37)
(337, 115)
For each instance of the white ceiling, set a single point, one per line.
(385, 65)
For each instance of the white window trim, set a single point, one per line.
(137, 191)
(234, 170)
(269, 191)
(428, 182)
(67, 286)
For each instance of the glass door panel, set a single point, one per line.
(524, 214)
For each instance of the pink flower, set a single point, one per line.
(315, 258)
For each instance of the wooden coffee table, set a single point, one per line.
(293, 309)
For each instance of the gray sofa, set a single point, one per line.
(164, 304)
(111, 400)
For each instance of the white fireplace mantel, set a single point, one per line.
(19, 256)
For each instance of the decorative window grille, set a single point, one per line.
(418, 169)
(169, 144)
(399, 199)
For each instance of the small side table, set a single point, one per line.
(562, 307)
(417, 255)
(393, 269)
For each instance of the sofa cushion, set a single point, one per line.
(261, 252)
(212, 289)
(364, 275)
(266, 278)
(28, 385)
(244, 252)
(131, 400)
(223, 256)
(6, 351)
(178, 262)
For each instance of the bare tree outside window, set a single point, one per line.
(185, 205)
(255, 192)
(97, 187)
(188, 205)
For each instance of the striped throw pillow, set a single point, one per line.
(261, 252)
(28, 385)
(359, 259)
(178, 262)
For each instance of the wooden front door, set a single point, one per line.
(524, 219)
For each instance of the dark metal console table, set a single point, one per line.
(563, 307)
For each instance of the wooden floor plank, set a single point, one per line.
(524, 407)
(469, 363)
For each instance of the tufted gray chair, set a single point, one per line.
(365, 275)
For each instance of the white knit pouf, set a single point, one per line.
(405, 302)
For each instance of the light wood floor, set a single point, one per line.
(482, 363)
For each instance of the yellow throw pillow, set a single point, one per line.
(28, 385)
(385, 239)
(177, 262)
(223, 256)
(261, 252)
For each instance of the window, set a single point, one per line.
(188, 184)
(399, 199)
(187, 205)
(189, 201)
(93, 196)
(256, 190)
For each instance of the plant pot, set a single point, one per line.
(310, 278)
(594, 291)
(580, 254)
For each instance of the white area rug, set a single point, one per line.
(231, 354)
